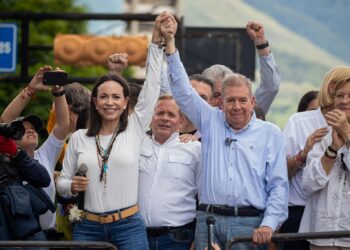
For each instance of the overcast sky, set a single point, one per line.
(104, 6)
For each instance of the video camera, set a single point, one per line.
(13, 130)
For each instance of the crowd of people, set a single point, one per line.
(143, 168)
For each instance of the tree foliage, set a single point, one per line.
(42, 32)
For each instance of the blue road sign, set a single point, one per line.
(8, 47)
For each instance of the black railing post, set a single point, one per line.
(24, 45)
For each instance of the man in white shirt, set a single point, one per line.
(168, 176)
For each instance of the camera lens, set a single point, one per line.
(14, 130)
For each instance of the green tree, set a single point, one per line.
(41, 32)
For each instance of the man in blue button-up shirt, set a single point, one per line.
(244, 183)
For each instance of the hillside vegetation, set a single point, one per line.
(301, 62)
(325, 22)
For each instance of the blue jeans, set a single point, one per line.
(125, 234)
(179, 239)
(226, 227)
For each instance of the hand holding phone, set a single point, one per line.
(55, 78)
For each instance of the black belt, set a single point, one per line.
(230, 211)
(296, 209)
(157, 231)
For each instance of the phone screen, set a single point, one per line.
(55, 78)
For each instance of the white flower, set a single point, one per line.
(75, 214)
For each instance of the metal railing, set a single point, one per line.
(25, 47)
(292, 237)
(27, 17)
(58, 244)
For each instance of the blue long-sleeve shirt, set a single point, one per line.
(270, 82)
(266, 91)
(252, 171)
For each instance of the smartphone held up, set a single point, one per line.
(55, 78)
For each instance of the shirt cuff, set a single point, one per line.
(175, 66)
(153, 45)
(64, 187)
(68, 189)
(269, 60)
(268, 221)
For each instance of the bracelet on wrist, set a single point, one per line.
(28, 92)
(160, 44)
(58, 94)
(263, 45)
(298, 157)
(332, 150)
(330, 155)
(157, 42)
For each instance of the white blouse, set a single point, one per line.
(122, 174)
(327, 208)
(298, 128)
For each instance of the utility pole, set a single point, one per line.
(134, 25)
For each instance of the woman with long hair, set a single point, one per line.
(109, 150)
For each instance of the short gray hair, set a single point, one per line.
(217, 72)
(235, 79)
(78, 97)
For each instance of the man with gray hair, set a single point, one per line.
(270, 77)
(244, 168)
(78, 100)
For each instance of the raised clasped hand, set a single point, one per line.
(36, 84)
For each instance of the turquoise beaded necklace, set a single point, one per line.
(103, 155)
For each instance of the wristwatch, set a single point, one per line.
(57, 94)
(263, 46)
